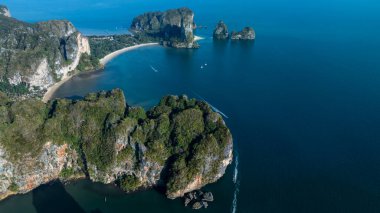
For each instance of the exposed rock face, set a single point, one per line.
(174, 27)
(221, 31)
(146, 170)
(4, 11)
(24, 174)
(207, 174)
(180, 144)
(246, 34)
(38, 54)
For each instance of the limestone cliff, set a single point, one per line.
(38, 55)
(24, 174)
(4, 11)
(246, 34)
(173, 28)
(212, 168)
(180, 145)
(221, 31)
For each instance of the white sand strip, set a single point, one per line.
(51, 90)
(112, 55)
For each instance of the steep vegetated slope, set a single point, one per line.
(35, 56)
(180, 145)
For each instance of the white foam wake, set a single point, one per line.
(237, 184)
(234, 179)
(234, 201)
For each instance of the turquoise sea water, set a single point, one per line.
(303, 102)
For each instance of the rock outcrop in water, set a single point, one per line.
(198, 199)
(4, 11)
(35, 56)
(246, 34)
(221, 31)
(180, 145)
(173, 28)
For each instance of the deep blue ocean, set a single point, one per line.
(302, 100)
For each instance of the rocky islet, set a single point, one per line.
(221, 33)
(198, 199)
(173, 28)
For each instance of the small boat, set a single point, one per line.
(154, 69)
(105, 199)
(201, 67)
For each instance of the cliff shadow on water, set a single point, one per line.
(53, 197)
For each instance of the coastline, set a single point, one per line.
(112, 55)
(51, 90)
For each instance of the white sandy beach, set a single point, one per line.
(112, 55)
(51, 90)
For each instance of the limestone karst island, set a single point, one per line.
(179, 145)
(184, 106)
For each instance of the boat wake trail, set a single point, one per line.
(234, 202)
(213, 108)
(237, 184)
(154, 69)
(236, 169)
